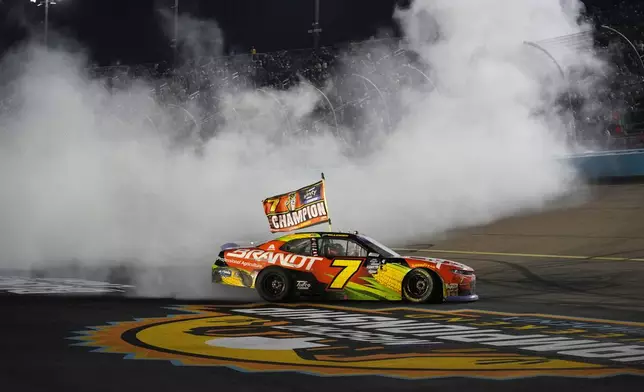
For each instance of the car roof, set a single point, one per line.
(316, 234)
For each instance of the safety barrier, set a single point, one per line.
(610, 164)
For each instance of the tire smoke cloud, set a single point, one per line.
(98, 178)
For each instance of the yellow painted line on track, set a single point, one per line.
(535, 255)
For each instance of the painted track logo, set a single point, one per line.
(394, 342)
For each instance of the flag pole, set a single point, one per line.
(325, 202)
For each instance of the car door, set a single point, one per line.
(346, 260)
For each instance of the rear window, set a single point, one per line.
(300, 246)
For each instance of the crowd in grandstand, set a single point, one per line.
(197, 81)
(348, 82)
(353, 79)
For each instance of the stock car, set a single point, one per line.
(339, 265)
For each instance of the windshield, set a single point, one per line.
(378, 247)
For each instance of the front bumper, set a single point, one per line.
(462, 298)
(463, 291)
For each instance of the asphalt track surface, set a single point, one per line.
(582, 262)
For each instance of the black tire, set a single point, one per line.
(274, 284)
(420, 285)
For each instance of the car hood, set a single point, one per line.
(440, 262)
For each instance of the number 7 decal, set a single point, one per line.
(274, 203)
(349, 268)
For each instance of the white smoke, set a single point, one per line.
(81, 182)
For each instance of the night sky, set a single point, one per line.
(130, 31)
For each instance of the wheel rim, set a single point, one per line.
(274, 285)
(419, 285)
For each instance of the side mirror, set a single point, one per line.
(373, 254)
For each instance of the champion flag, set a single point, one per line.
(297, 209)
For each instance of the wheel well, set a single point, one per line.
(273, 268)
(287, 271)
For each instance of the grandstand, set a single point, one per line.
(351, 80)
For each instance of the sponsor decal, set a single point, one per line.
(244, 263)
(21, 285)
(283, 259)
(451, 289)
(440, 262)
(311, 194)
(291, 201)
(373, 265)
(395, 342)
(297, 209)
(303, 285)
(225, 272)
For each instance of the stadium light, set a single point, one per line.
(46, 3)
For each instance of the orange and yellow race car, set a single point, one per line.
(337, 265)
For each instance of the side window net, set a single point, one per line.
(332, 248)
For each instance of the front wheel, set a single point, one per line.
(274, 284)
(420, 285)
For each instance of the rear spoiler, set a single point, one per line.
(239, 244)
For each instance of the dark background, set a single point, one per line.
(130, 31)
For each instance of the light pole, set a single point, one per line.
(316, 30)
(175, 39)
(46, 3)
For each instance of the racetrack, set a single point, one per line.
(559, 266)
(586, 261)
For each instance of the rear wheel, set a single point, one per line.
(420, 285)
(274, 284)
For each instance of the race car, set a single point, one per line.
(339, 265)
